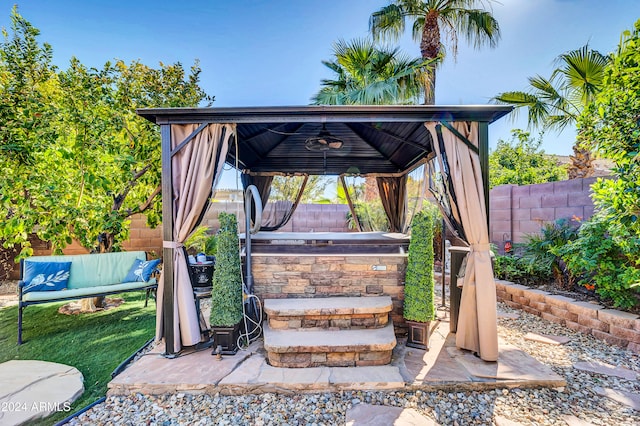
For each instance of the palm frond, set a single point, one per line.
(388, 22)
(478, 26)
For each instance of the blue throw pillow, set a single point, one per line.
(45, 276)
(141, 270)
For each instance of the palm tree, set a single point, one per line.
(370, 75)
(452, 17)
(558, 101)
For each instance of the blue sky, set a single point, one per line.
(256, 53)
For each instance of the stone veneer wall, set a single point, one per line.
(614, 327)
(516, 211)
(291, 276)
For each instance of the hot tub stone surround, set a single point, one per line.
(613, 326)
(298, 276)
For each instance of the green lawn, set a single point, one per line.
(94, 343)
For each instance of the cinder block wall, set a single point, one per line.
(517, 211)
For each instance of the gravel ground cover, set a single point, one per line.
(576, 404)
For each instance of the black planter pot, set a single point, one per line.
(201, 275)
(418, 335)
(227, 338)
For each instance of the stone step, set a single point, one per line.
(328, 313)
(332, 348)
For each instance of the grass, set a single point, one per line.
(94, 343)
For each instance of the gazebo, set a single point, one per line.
(382, 141)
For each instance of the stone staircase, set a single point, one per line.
(332, 332)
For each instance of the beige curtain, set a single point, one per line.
(477, 324)
(393, 194)
(196, 169)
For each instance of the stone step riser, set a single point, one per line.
(329, 359)
(329, 322)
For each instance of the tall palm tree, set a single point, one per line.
(370, 75)
(430, 18)
(558, 101)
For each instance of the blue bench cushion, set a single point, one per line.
(38, 296)
(95, 270)
(45, 276)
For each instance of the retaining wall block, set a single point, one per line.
(577, 327)
(585, 309)
(617, 318)
(612, 340)
(536, 295)
(552, 318)
(625, 333)
(594, 324)
(560, 301)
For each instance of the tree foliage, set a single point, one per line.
(556, 102)
(76, 160)
(607, 252)
(522, 162)
(430, 20)
(366, 74)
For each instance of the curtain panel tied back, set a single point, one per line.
(463, 200)
(196, 168)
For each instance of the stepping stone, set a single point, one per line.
(575, 421)
(547, 338)
(508, 315)
(36, 389)
(606, 369)
(501, 421)
(379, 415)
(626, 398)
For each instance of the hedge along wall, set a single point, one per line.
(517, 211)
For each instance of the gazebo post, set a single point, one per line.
(483, 152)
(167, 235)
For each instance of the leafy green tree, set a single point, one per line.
(429, 20)
(522, 162)
(76, 160)
(286, 188)
(606, 254)
(558, 101)
(369, 75)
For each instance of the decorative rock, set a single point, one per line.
(575, 421)
(36, 389)
(378, 415)
(606, 369)
(547, 339)
(627, 398)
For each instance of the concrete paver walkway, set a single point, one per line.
(442, 367)
(36, 389)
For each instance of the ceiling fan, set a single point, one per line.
(324, 141)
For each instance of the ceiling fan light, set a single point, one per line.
(324, 141)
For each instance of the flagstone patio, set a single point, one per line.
(443, 366)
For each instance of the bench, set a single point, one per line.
(89, 275)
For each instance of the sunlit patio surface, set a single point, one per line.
(442, 367)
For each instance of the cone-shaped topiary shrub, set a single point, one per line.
(419, 281)
(226, 294)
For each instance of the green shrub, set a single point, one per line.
(537, 251)
(226, 294)
(604, 261)
(520, 270)
(419, 282)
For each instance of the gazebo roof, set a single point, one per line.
(377, 139)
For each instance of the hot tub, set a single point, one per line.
(324, 264)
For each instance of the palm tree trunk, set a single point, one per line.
(581, 163)
(430, 49)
